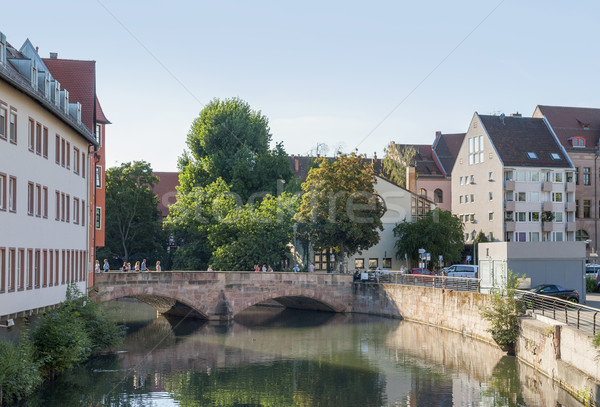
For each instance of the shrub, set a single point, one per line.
(503, 313)
(590, 284)
(19, 373)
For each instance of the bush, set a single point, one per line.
(503, 313)
(19, 371)
(590, 284)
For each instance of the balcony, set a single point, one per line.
(570, 187)
(570, 206)
(509, 206)
(509, 226)
(509, 185)
(547, 206)
(547, 186)
(571, 226)
(547, 226)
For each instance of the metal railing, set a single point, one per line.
(424, 280)
(579, 316)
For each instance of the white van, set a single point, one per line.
(463, 270)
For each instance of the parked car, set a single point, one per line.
(422, 271)
(463, 270)
(555, 290)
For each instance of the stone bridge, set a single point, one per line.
(222, 295)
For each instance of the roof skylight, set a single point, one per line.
(532, 155)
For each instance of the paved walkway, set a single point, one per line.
(592, 300)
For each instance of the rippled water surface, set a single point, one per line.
(276, 357)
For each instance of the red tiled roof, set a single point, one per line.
(79, 78)
(569, 122)
(100, 117)
(165, 190)
(446, 147)
(427, 165)
(514, 137)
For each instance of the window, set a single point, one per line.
(577, 208)
(83, 213)
(2, 192)
(422, 191)
(576, 176)
(75, 160)
(472, 180)
(534, 236)
(31, 134)
(586, 176)
(475, 150)
(45, 142)
(491, 196)
(557, 236)
(13, 127)
(38, 139)
(98, 218)
(509, 217)
(531, 155)
(491, 176)
(83, 165)
(555, 157)
(460, 199)
(373, 263)
(534, 197)
(62, 152)
(586, 208)
(68, 202)
(57, 205)
(558, 217)
(472, 198)
(68, 155)
(521, 196)
(99, 177)
(472, 218)
(508, 175)
(438, 196)
(581, 235)
(491, 216)
(99, 134)
(521, 216)
(534, 176)
(30, 198)
(62, 207)
(2, 270)
(520, 236)
(521, 176)
(45, 213)
(57, 150)
(12, 268)
(3, 118)
(359, 263)
(466, 198)
(461, 181)
(578, 142)
(76, 211)
(387, 263)
(570, 176)
(534, 216)
(38, 200)
(557, 177)
(557, 196)
(12, 194)
(508, 196)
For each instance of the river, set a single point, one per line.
(276, 357)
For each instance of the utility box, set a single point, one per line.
(561, 263)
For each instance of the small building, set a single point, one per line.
(561, 263)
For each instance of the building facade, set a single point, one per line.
(513, 181)
(44, 185)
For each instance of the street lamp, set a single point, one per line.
(295, 230)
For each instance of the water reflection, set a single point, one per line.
(277, 357)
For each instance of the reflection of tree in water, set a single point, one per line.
(504, 387)
(283, 383)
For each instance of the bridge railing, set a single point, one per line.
(578, 316)
(450, 283)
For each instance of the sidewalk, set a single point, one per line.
(592, 300)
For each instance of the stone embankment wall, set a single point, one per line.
(560, 352)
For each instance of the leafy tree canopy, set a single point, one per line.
(339, 207)
(396, 161)
(132, 218)
(439, 233)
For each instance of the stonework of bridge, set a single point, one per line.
(222, 295)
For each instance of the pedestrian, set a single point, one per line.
(128, 266)
(210, 268)
(296, 268)
(311, 268)
(144, 265)
(270, 270)
(264, 268)
(97, 266)
(106, 266)
(137, 266)
(158, 267)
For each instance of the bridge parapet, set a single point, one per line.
(221, 295)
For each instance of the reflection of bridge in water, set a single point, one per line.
(222, 295)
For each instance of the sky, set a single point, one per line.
(350, 75)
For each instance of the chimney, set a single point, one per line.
(296, 164)
(54, 55)
(517, 114)
(411, 179)
(438, 133)
(375, 157)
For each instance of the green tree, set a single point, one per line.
(254, 233)
(396, 161)
(231, 141)
(480, 238)
(339, 208)
(439, 233)
(19, 370)
(132, 218)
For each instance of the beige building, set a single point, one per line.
(513, 181)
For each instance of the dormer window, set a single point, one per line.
(532, 156)
(578, 142)
(555, 156)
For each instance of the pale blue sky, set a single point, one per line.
(322, 72)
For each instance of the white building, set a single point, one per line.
(44, 188)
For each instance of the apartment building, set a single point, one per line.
(578, 130)
(44, 188)
(514, 181)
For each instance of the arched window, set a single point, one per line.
(438, 196)
(578, 142)
(423, 192)
(581, 235)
